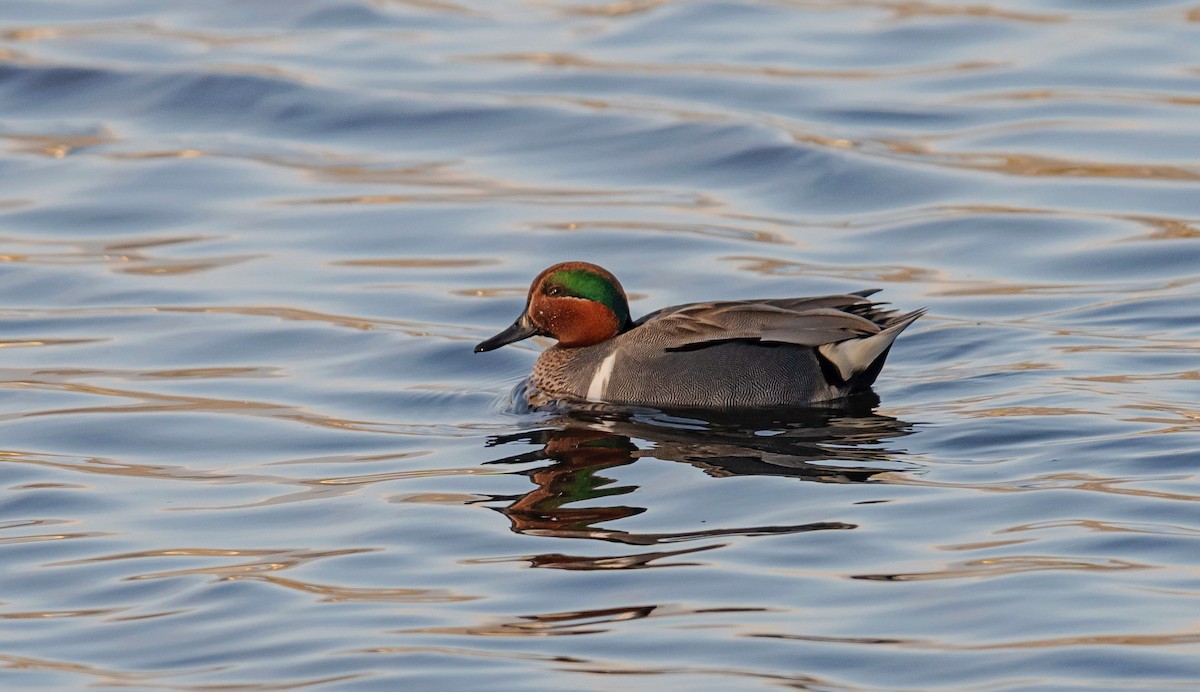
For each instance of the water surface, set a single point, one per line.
(248, 248)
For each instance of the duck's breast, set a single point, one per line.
(579, 374)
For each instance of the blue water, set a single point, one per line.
(248, 248)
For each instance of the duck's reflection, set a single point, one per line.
(847, 444)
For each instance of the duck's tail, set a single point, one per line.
(859, 360)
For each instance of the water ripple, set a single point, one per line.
(247, 248)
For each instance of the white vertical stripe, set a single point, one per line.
(599, 383)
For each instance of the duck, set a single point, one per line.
(725, 354)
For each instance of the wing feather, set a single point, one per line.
(802, 321)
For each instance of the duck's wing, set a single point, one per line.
(801, 321)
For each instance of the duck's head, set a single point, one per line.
(577, 303)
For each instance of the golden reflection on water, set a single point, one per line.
(1006, 565)
(58, 146)
(1165, 228)
(907, 9)
(619, 8)
(332, 593)
(111, 677)
(418, 262)
(177, 267)
(264, 566)
(542, 196)
(1132, 379)
(1024, 411)
(415, 329)
(1085, 95)
(110, 29)
(1060, 481)
(54, 614)
(123, 255)
(700, 229)
(149, 402)
(103, 676)
(436, 5)
(892, 274)
(1181, 418)
(565, 60)
(434, 182)
(1041, 166)
(983, 545)
(312, 488)
(1160, 227)
(1166, 639)
(1105, 527)
(38, 538)
(493, 292)
(25, 343)
(467, 187)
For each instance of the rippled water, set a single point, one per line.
(249, 246)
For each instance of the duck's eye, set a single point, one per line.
(554, 290)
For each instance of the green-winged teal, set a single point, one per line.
(723, 354)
